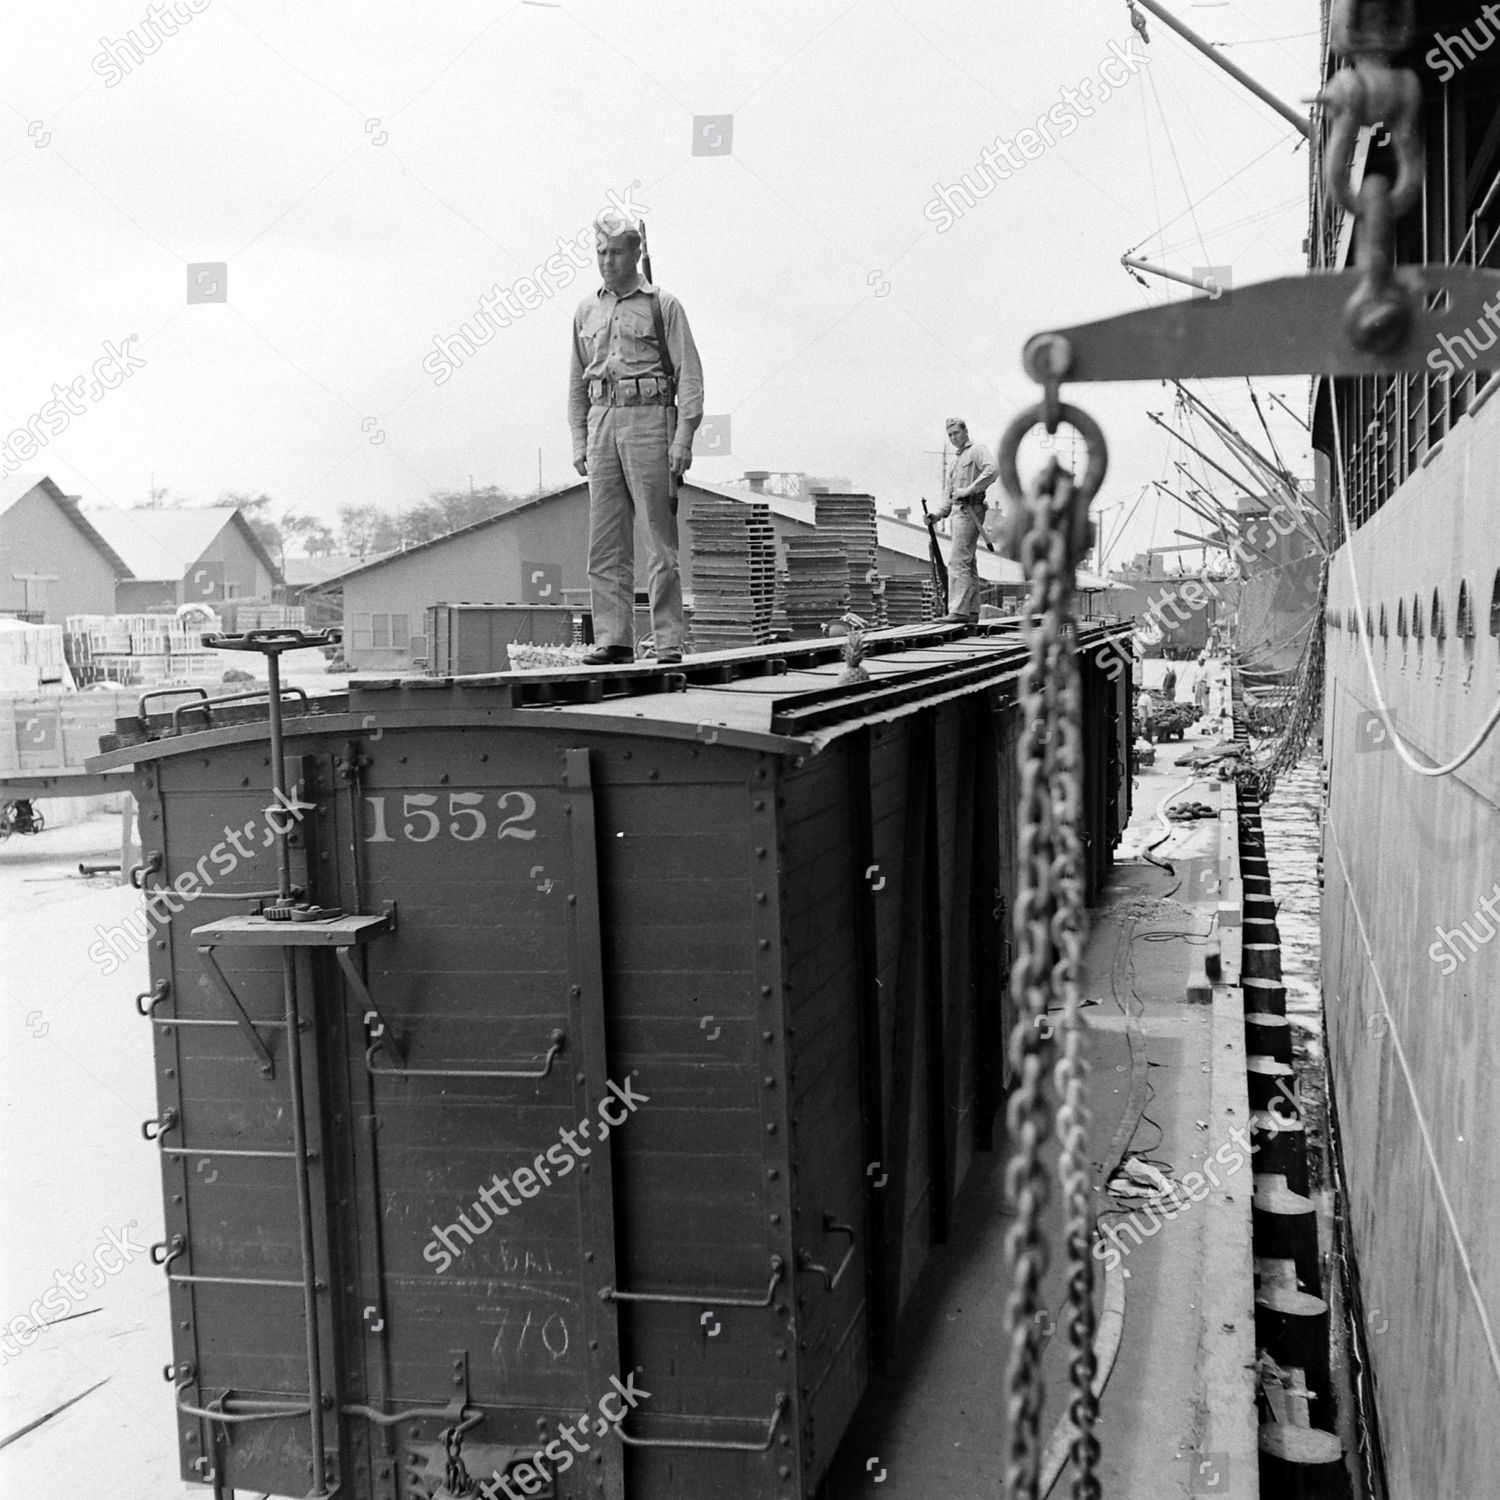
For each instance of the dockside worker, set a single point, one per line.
(973, 472)
(635, 399)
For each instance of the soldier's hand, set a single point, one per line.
(681, 458)
(581, 464)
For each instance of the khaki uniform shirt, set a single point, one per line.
(973, 472)
(615, 337)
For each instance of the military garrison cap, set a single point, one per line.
(613, 222)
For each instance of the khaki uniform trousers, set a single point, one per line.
(629, 468)
(963, 569)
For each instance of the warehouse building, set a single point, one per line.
(53, 561)
(189, 556)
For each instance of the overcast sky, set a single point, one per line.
(368, 172)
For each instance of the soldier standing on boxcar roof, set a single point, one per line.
(973, 472)
(635, 399)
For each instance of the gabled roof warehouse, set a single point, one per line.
(164, 544)
(53, 561)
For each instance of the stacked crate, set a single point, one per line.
(103, 644)
(909, 599)
(817, 583)
(54, 733)
(781, 625)
(850, 520)
(734, 573)
(139, 650)
(31, 654)
(256, 615)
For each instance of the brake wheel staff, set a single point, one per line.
(973, 472)
(635, 399)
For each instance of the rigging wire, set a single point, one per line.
(1299, 63)
(1211, 150)
(1217, 230)
(1214, 73)
(1255, 41)
(1150, 158)
(1119, 531)
(1486, 729)
(1177, 162)
(1206, 196)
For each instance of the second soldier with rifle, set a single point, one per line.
(973, 472)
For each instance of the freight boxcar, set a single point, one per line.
(463, 639)
(615, 1110)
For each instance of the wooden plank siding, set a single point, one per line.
(920, 877)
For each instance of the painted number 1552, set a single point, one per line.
(463, 819)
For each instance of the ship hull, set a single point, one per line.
(1412, 959)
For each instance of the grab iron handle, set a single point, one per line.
(148, 1000)
(207, 706)
(294, 890)
(249, 1411)
(171, 692)
(699, 1299)
(164, 1252)
(558, 1039)
(718, 1447)
(807, 1263)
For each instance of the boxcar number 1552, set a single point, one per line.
(466, 820)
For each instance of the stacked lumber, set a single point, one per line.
(734, 573)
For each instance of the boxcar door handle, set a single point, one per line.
(166, 1120)
(699, 1299)
(164, 1252)
(807, 1263)
(559, 1041)
(720, 1446)
(155, 995)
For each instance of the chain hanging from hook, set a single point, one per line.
(1378, 317)
(1048, 531)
